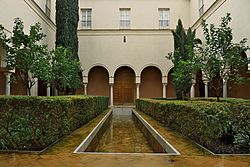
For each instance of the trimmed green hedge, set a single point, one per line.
(223, 127)
(33, 123)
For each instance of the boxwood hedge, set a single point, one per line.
(223, 127)
(33, 123)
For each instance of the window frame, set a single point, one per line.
(164, 18)
(86, 18)
(201, 7)
(48, 8)
(125, 22)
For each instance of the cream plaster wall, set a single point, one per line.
(240, 20)
(30, 14)
(42, 3)
(146, 44)
(194, 9)
(144, 13)
(141, 49)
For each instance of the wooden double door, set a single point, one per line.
(124, 86)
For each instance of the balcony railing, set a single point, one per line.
(163, 24)
(124, 24)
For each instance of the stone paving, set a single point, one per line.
(62, 154)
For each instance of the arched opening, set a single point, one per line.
(17, 86)
(124, 86)
(42, 89)
(151, 82)
(170, 85)
(2, 82)
(216, 88)
(98, 81)
(199, 85)
(241, 90)
(2, 76)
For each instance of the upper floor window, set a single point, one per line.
(124, 18)
(201, 7)
(86, 18)
(48, 7)
(164, 18)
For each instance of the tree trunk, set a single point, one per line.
(218, 98)
(29, 91)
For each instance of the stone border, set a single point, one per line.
(165, 145)
(85, 143)
(31, 152)
(211, 152)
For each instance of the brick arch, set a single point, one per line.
(98, 81)
(151, 82)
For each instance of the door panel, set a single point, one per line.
(124, 87)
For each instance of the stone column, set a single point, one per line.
(56, 92)
(34, 89)
(7, 83)
(206, 88)
(138, 82)
(164, 88)
(192, 91)
(48, 91)
(111, 94)
(137, 90)
(205, 81)
(85, 88)
(224, 88)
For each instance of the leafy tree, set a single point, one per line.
(220, 56)
(67, 17)
(23, 52)
(182, 57)
(64, 70)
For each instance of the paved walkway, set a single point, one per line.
(62, 154)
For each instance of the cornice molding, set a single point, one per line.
(118, 32)
(33, 5)
(211, 10)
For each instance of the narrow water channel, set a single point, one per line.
(123, 136)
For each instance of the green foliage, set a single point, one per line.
(25, 53)
(64, 70)
(182, 57)
(33, 123)
(220, 56)
(67, 18)
(182, 78)
(216, 125)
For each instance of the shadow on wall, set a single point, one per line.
(170, 86)
(241, 90)
(151, 83)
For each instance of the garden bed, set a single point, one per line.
(33, 123)
(222, 127)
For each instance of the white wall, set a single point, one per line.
(144, 13)
(146, 44)
(141, 49)
(240, 19)
(30, 14)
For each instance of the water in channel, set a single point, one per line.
(123, 136)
